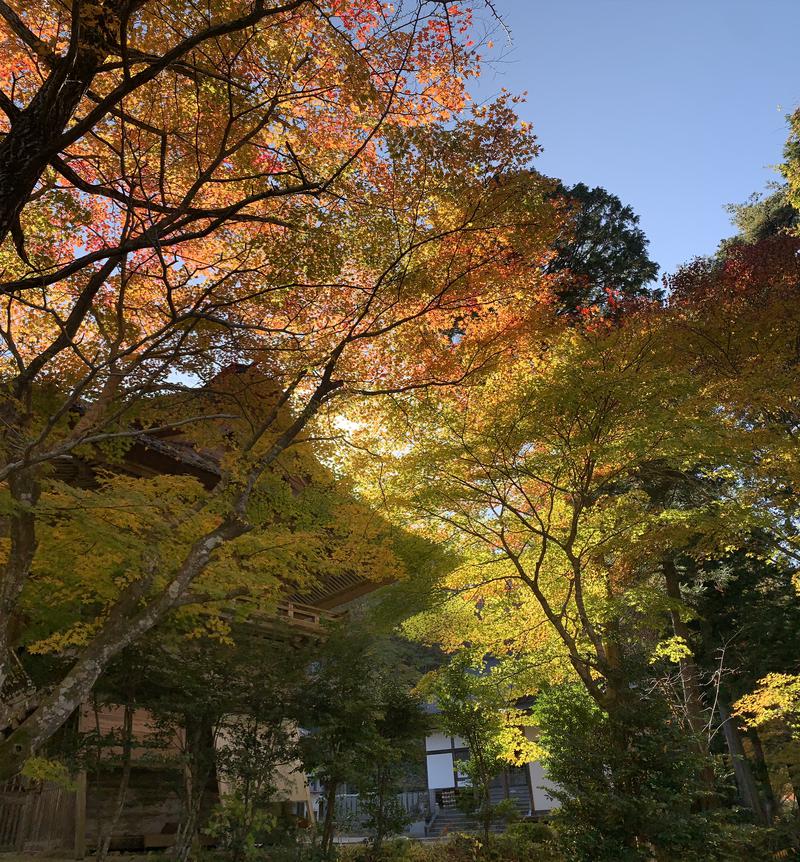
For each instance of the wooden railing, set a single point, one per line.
(350, 813)
(305, 616)
(292, 615)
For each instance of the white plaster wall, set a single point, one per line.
(440, 771)
(541, 784)
(436, 742)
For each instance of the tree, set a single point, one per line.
(255, 742)
(400, 728)
(626, 784)
(78, 80)
(534, 474)
(773, 709)
(546, 473)
(761, 217)
(791, 166)
(581, 482)
(221, 713)
(747, 616)
(361, 723)
(569, 481)
(604, 259)
(231, 196)
(473, 705)
(308, 531)
(96, 750)
(735, 324)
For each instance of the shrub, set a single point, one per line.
(531, 831)
(627, 783)
(506, 811)
(525, 842)
(239, 829)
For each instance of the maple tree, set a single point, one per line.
(603, 448)
(761, 290)
(536, 475)
(180, 98)
(583, 482)
(737, 329)
(293, 187)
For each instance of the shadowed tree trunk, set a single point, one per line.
(198, 772)
(762, 772)
(329, 822)
(25, 493)
(745, 781)
(104, 843)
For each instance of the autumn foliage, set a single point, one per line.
(304, 190)
(278, 238)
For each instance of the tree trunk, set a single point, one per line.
(200, 751)
(785, 738)
(748, 789)
(692, 695)
(380, 819)
(185, 841)
(330, 818)
(762, 773)
(35, 131)
(104, 844)
(22, 529)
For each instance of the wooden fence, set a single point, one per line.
(36, 817)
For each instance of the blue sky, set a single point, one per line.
(676, 106)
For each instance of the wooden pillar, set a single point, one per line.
(80, 816)
(529, 782)
(531, 734)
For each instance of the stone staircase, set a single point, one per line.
(518, 795)
(450, 819)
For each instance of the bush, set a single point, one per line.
(531, 831)
(506, 811)
(296, 851)
(240, 830)
(524, 842)
(629, 788)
